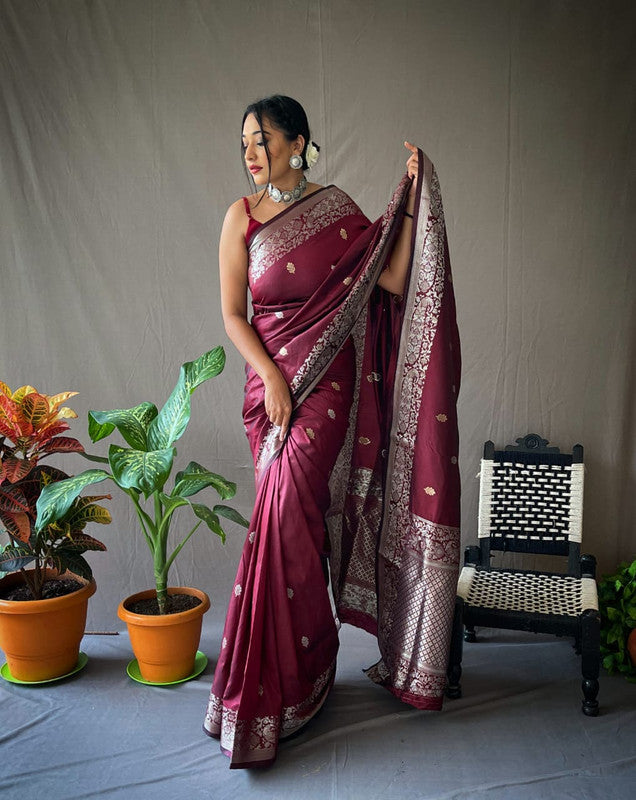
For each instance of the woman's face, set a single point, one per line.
(280, 149)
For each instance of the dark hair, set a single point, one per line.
(286, 115)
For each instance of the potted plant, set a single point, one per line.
(617, 605)
(142, 470)
(42, 609)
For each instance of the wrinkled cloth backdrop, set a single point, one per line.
(119, 135)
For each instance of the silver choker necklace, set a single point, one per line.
(287, 196)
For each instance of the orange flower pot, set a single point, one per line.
(165, 645)
(631, 646)
(41, 638)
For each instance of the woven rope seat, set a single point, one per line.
(533, 593)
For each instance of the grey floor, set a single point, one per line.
(516, 733)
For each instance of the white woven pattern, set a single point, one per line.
(560, 595)
(540, 502)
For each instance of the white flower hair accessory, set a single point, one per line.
(311, 155)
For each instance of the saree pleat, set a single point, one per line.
(368, 471)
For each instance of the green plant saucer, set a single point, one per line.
(82, 661)
(200, 663)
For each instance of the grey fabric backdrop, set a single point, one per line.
(119, 137)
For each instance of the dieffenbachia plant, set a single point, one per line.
(142, 469)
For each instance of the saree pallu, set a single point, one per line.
(368, 471)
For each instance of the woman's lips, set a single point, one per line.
(254, 170)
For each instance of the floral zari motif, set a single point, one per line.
(255, 740)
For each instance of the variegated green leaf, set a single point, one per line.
(207, 366)
(144, 471)
(56, 498)
(231, 513)
(195, 477)
(81, 515)
(132, 423)
(173, 418)
(14, 558)
(210, 518)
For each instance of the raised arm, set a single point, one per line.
(233, 270)
(393, 276)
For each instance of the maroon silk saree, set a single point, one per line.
(367, 473)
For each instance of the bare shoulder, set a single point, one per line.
(236, 211)
(236, 219)
(314, 187)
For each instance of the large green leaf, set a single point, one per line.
(132, 423)
(56, 498)
(195, 477)
(173, 418)
(231, 513)
(210, 518)
(137, 469)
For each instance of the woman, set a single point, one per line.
(353, 370)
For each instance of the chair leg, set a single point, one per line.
(453, 687)
(469, 634)
(590, 660)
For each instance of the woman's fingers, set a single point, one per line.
(413, 160)
(278, 406)
(284, 426)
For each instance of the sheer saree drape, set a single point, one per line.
(371, 457)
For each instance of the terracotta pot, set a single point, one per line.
(41, 638)
(631, 646)
(165, 645)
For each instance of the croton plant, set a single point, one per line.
(31, 428)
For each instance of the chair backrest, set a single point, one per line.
(531, 499)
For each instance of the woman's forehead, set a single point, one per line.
(251, 126)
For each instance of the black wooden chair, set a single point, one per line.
(530, 501)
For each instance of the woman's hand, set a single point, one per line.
(278, 405)
(412, 166)
(413, 161)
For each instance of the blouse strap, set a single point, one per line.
(247, 207)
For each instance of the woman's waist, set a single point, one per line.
(279, 310)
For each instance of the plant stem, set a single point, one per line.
(144, 520)
(160, 547)
(30, 584)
